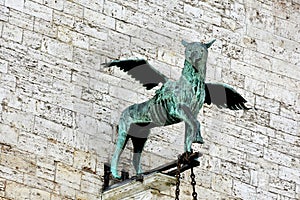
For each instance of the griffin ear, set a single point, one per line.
(184, 43)
(210, 43)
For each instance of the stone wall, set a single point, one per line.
(60, 107)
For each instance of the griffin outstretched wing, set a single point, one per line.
(141, 70)
(224, 97)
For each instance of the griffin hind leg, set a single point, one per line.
(128, 128)
(138, 146)
(139, 133)
(121, 142)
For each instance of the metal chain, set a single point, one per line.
(193, 183)
(185, 158)
(177, 191)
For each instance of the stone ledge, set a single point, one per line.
(150, 188)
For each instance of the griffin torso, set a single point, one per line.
(189, 90)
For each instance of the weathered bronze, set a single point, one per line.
(176, 101)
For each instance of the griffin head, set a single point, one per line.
(196, 52)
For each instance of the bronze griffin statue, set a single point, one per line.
(176, 101)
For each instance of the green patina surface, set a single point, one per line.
(176, 101)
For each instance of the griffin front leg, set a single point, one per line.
(192, 128)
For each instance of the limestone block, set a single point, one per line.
(68, 176)
(55, 4)
(36, 194)
(248, 69)
(63, 19)
(19, 120)
(259, 138)
(56, 48)
(45, 168)
(263, 179)
(86, 196)
(266, 195)
(285, 68)
(44, 185)
(289, 174)
(255, 86)
(287, 137)
(222, 184)
(22, 20)
(73, 9)
(18, 4)
(238, 172)
(80, 78)
(32, 39)
(11, 174)
(91, 184)
(243, 190)
(49, 129)
(257, 59)
(285, 147)
(284, 124)
(38, 10)
(116, 10)
(280, 93)
(267, 104)
(232, 51)
(102, 112)
(91, 30)
(4, 11)
(261, 18)
(101, 87)
(169, 57)
(67, 192)
(280, 158)
(17, 161)
(32, 143)
(297, 191)
(71, 37)
(82, 107)
(85, 161)
(17, 191)
(12, 32)
(127, 28)
(96, 5)
(150, 188)
(45, 27)
(99, 19)
(279, 186)
(100, 141)
(2, 186)
(233, 78)
(287, 29)
(9, 135)
(122, 93)
(226, 35)
(60, 152)
(249, 147)
(88, 60)
(91, 95)
(193, 11)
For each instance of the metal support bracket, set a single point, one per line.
(167, 169)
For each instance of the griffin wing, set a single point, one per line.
(224, 97)
(140, 70)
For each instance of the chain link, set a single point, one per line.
(184, 158)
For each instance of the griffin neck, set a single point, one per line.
(190, 73)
